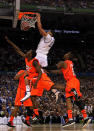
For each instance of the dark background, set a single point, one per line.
(73, 32)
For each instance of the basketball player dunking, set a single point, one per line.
(45, 44)
(72, 90)
(33, 68)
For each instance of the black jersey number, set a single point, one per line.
(51, 44)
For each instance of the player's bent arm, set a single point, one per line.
(18, 50)
(56, 71)
(17, 76)
(61, 64)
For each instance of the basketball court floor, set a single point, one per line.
(53, 127)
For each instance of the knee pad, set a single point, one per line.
(80, 104)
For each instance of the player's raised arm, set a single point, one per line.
(18, 50)
(19, 74)
(41, 30)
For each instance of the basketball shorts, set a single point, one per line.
(44, 83)
(20, 94)
(42, 59)
(72, 84)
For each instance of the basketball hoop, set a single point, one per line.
(28, 21)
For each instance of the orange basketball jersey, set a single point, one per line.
(21, 92)
(21, 80)
(30, 68)
(69, 71)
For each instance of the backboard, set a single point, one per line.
(9, 10)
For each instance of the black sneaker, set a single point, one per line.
(69, 123)
(26, 122)
(10, 124)
(86, 122)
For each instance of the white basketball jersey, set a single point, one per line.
(45, 44)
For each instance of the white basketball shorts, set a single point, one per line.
(42, 59)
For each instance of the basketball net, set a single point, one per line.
(28, 20)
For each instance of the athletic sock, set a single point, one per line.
(70, 114)
(27, 118)
(84, 114)
(11, 118)
(27, 88)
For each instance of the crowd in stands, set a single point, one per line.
(47, 102)
(61, 3)
(57, 3)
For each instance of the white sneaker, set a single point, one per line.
(28, 94)
(86, 122)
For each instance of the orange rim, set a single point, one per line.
(23, 13)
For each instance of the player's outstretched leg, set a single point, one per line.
(69, 111)
(54, 89)
(14, 112)
(28, 93)
(26, 121)
(81, 106)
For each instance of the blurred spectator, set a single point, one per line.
(47, 102)
(55, 3)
